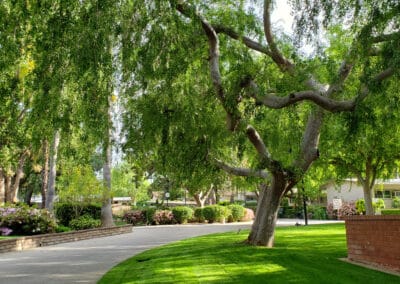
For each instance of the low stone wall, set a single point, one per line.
(24, 243)
(374, 240)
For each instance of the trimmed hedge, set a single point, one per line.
(65, 212)
(199, 215)
(215, 213)
(236, 212)
(182, 214)
(390, 211)
(84, 222)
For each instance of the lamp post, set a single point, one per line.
(167, 196)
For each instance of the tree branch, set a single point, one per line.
(244, 172)
(385, 37)
(246, 40)
(276, 55)
(277, 102)
(232, 113)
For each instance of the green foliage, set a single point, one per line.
(360, 206)
(182, 214)
(378, 204)
(79, 184)
(84, 222)
(215, 213)
(236, 212)
(317, 212)
(396, 202)
(224, 203)
(128, 180)
(65, 212)
(148, 214)
(62, 229)
(23, 220)
(199, 214)
(390, 211)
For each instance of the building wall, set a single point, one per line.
(348, 191)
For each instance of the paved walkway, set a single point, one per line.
(86, 261)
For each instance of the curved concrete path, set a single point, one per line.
(86, 261)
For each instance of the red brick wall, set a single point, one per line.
(24, 243)
(374, 240)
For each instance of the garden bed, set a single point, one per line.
(28, 242)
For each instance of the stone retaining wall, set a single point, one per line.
(24, 243)
(374, 240)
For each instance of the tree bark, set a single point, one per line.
(263, 228)
(45, 172)
(2, 187)
(28, 196)
(50, 195)
(106, 208)
(18, 176)
(201, 197)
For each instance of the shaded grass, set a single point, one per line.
(301, 255)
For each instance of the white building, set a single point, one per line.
(351, 190)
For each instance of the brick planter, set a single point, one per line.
(24, 243)
(374, 240)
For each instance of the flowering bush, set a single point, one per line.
(135, 217)
(163, 217)
(347, 209)
(248, 215)
(25, 221)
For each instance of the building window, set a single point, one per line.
(379, 194)
(387, 194)
(397, 193)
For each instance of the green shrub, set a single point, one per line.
(215, 213)
(237, 212)
(65, 212)
(224, 203)
(390, 211)
(396, 202)
(62, 229)
(360, 206)
(199, 215)
(148, 214)
(84, 222)
(317, 212)
(23, 220)
(378, 204)
(182, 214)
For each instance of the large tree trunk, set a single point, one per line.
(2, 187)
(14, 188)
(45, 172)
(368, 184)
(369, 208)
(263, 229)
(51, 189)
(28, 196)
(106, 208)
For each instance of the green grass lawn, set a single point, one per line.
(301, 255)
